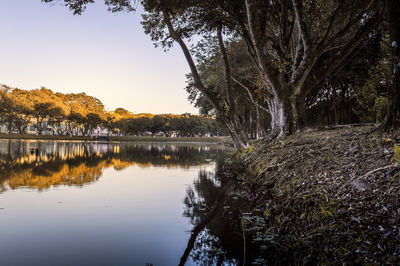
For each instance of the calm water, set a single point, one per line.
(79, 203)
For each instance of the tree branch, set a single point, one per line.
(228, 71)
(258, 40)
(340, 37)
(302, 24)
(336, 62)
(298, 76)
(330, 23)
(250, 95)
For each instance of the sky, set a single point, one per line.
(106, 55)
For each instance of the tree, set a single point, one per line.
(74, 123)
(92, 122)
(170, 21)
(349, 96)
(15, 117)
(309, 46)
(122, 112)
(15, 113)
(245, 93)
(159, 124)
(78, 6)
(41, 111)
(56, 120)
(21, 118)
(6, 110)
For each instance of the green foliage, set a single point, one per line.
(372, 101)
(380, 108)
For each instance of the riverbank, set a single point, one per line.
(322, 197)
(219, 140)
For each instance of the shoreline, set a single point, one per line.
(218, 140)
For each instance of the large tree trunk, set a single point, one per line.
(278, 117)
(287, 114)
(393, 12)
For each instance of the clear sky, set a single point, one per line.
(103, 54)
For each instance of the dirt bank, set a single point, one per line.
(323, 197)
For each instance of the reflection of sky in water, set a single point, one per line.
(128, 217)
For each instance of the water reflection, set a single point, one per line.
(42, 164)
(218, 236)
(129, 215)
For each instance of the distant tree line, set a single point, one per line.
(81, 114)
(185, 125)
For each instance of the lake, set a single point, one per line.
(93, 203)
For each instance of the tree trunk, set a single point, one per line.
(287, 115)
(393, 10)
(278, 119)
(299, 113)
(9, 127)
(237, 138)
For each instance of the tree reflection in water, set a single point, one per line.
(42, 164)
(217, 235)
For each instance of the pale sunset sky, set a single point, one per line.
(106, 55)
